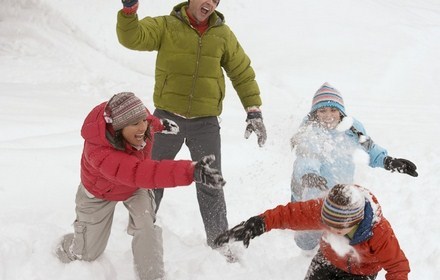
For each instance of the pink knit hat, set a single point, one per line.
(328, 96)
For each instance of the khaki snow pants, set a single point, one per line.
(93, 225)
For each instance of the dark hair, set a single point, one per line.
(312, 116)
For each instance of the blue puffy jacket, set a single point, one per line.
(329, 153)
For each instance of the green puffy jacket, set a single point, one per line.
(189, 76)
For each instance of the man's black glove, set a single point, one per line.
(255, 124)
(245, 231)
(400, 165)
(311, 180)
(206, 175)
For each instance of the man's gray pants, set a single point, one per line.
(93, 225)
(202, 137)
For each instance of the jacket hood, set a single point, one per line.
(365, 229)
(94, 127)
(372, 216)
(216, 18)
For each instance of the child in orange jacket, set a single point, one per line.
(357, 242)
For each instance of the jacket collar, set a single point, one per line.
(179, 11)
(365, 229)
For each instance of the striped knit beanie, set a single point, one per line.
(124, 109)
(328, 96)
(343, 207)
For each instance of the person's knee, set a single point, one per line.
(90, 258)
(84, 249)
(141, 224)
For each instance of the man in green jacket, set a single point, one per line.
(194, 46)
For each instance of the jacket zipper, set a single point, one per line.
(349, 264)
(196, 73)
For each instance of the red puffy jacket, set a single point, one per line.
(374, 245)
(111, 174)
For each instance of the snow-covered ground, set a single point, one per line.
(58, 59)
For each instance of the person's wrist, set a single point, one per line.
(129, 3)
(253, 109)
(130, 10)
(254, 115)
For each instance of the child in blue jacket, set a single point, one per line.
(325, 145)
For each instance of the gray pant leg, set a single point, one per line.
(147, 243)
(92, 225)
(308, 239)
(166, 146)
(204, 139)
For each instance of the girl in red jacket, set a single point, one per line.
(357, 242)
(116, 166)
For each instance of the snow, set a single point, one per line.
(357, 199)
(345, 124)
(60, 58)
(340, 245)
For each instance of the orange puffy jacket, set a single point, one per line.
(374, 245)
